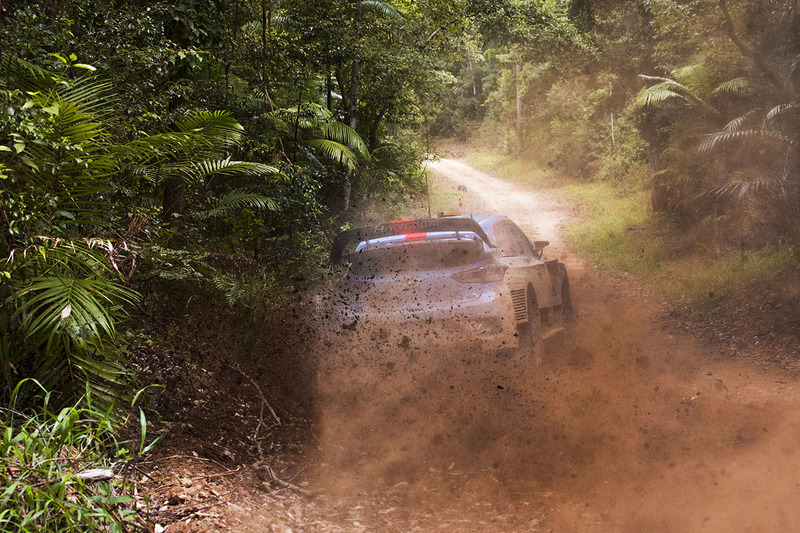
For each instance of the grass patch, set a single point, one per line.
(603, 232)
(705, 282)
(518, 170)
(47, 460)
(619, 234)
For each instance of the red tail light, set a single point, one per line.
(484, 274)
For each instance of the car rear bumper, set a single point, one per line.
(487, 322)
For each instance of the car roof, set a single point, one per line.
(418, 229)
(487, 222)
(417, 237)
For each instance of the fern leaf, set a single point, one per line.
(237, 200)
(660, 92)
(335, 152)
(720, 138)
(344, 134)
(735, 87)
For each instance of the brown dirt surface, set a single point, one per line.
(632, 423)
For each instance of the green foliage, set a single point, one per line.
(62, 290)
(618, 234)
(602, 233)
(74, 200)
(43, 461)
(703, 283)
(61, 300)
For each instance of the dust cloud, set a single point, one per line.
(623, 426)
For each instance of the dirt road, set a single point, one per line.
(627, 427)
(656, 432)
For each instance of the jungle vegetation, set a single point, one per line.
(189, 145)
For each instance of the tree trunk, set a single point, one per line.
(329, 91)
(174, 200)
(659, 194)
(351, 115)
(373, 129)
(337, 72)
(517, 75)
(355, 75)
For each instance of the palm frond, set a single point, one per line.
(660, 92)
(237, 200)
(742, 188)
(65, 298)
(779, 110)
(27, 76)
(51, 304)
(786, 119)
(76, 258)
(309, 114)
(198, 171)
(382, 8)
(735, 87)
(737, 123)
(717, 139)
(344, 134)
(75, 126)
(161, 146)
(89, 92)
(335, 152)
(696, 77)
(794, 71)
(91, 95)
(217, 127)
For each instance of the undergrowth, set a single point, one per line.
(619, 233)
(67, 470)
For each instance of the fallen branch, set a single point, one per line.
(264, 402)
(95, 474)
(204, 459)
(291, 486)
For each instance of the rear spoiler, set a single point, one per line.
(401, 227)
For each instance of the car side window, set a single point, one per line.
(511, 241)
(505, 244)
(521, 241)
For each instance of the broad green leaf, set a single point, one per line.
(28, 161)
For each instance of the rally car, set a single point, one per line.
(468, 280)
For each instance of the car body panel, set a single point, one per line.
(464, 279)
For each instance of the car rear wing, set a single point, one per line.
(403, 227)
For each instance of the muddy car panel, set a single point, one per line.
(469, 280)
